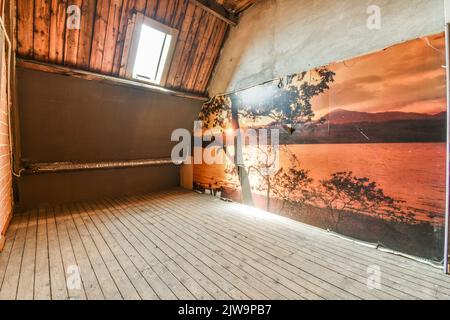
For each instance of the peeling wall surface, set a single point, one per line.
(280, 37)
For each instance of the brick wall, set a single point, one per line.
(6, 202)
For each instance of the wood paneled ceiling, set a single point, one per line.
(98, 45)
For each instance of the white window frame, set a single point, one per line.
(135, 45)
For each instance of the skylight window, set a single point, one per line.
(153, 46)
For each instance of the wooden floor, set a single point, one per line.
(182, 245)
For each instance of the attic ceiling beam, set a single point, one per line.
(91, 76)
(217, 10)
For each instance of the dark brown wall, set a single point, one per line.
(69, 119)
(82, 185)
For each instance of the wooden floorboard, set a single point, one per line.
(329, 251)
(12, 272)
(75, 288)
(274, 258)
(58, 287)
(182, 245)
(25, 290)
(5, 255)
(89, 279)
(318, 263)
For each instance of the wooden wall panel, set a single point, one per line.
(57, 31)
(128, 7)
(72, 39)
(100, 42)
(86, 33)
(115, 10)
(210, 58)
(152, 6)
(184, 30)
(41, 29)
(179, 14)
(196, 58)
(25, 24)
(188, 46)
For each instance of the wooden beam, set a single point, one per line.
(86, 75)
(217, 10)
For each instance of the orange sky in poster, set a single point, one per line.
(399, 78)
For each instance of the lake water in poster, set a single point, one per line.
(412, 172)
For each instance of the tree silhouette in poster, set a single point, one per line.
(287, 102)
(343, 192)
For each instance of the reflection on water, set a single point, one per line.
(412, 172)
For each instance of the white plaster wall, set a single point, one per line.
(280, 37)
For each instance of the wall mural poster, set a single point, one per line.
(363, 145)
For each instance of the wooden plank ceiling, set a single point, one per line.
(98, 45)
